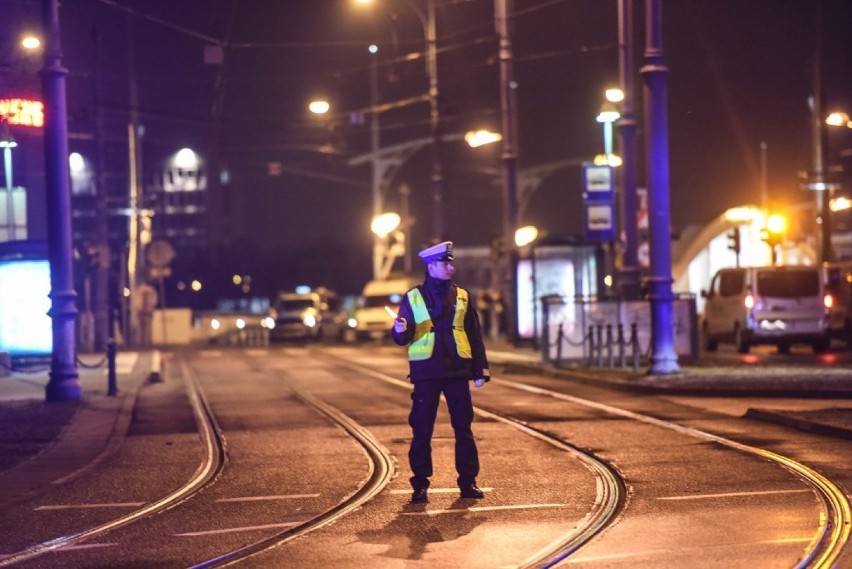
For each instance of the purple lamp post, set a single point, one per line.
(663, 355)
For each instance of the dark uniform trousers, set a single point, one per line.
(425, 399)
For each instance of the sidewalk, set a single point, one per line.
(42, 444)
(49, 443)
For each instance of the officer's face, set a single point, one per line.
(441, 270)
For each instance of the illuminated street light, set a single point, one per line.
(840, 204)
(614, 95)
(384, 224)
(319, 107)
(525, 235)
(838, 119)
(477, 138)
(30, 42)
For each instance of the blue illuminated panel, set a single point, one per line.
(25, 327)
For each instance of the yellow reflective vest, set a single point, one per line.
(423, 344)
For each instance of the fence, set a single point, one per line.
(608, 333)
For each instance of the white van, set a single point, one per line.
(373, 321)
(767, 305)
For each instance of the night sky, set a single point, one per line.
(741, 72)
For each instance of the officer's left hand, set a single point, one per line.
(479, 382)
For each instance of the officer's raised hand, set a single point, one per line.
(400, 325)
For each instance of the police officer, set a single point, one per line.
(438, 322)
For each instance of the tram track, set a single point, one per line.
(611, 491)
(835, 523)
(380, 472)
(210, 467)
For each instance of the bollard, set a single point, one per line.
(609, 346)
(559, 337)
(620, 340)
(599, 339)
(156, 375)
(634, 346)
(112, 388)
(591, 346)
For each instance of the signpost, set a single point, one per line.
(599, 202)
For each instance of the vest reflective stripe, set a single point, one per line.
(423, 343)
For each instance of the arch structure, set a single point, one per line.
(706, 251)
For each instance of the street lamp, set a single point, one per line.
(608, 115)
(427, 20)
(7, 143)
(383, 226)
(526, 236)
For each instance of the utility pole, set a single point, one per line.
(503, 12)
(626, 125)
(64, 383)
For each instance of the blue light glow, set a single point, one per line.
(25, 327)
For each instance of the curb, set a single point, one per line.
(801, 424)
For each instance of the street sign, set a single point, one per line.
(159, 253)
(599, 202)
(599, 220)
(598, 182)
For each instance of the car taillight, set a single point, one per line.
(828, 301)
(749, 301)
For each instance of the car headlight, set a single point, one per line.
(309, 320)
(352, 322)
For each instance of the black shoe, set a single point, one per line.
(420, 495)
(471, 491)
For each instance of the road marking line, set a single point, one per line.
(88, 546)
(257, 498)
(438, 491)
(233, 530)
(735, 494)
(90, 506)
(483, 509)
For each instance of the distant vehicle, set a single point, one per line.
(767, 305)
(373, 321)
(309, 315)
(838, 283)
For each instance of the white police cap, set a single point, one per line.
(440, 252)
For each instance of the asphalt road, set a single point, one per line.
(654, 480)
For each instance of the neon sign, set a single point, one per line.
(23, 112)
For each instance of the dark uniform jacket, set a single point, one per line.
(445, 363)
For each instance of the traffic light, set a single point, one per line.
(734, 240)
(773, 233)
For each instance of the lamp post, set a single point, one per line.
(663, 354)
(627, 127)
(7, 143)
(503, 12)
(527, 235)
(64, 384)
(427, 20)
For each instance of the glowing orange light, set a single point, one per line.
(749, 301)
(828, 301)
(23, 112)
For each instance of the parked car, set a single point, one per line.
(373, 321)
(767, 305)
(838, 283)
(308, 315)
